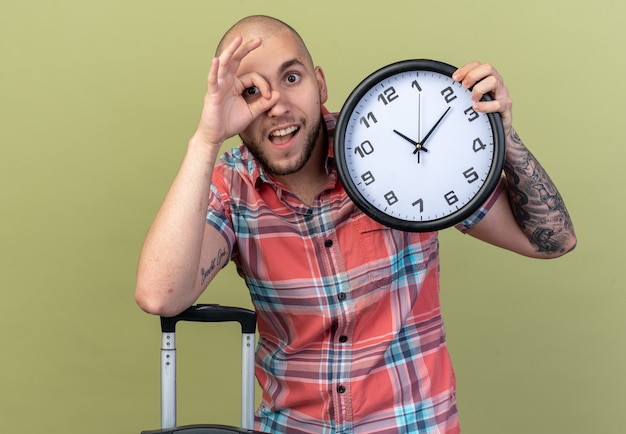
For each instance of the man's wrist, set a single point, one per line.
(203, 147)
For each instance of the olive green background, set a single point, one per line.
(97, 102)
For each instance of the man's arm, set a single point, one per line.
(180, 243)
(529, 217)
(181, 253)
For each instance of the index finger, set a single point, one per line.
(227, 61)
(473, 72)
(234, 53)
(460, 74)
(237, 49)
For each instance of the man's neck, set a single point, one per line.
(311, 180)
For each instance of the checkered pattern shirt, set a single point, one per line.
(351, 338)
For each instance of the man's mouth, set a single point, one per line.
(282, 136)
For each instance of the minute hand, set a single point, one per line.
(431, 131)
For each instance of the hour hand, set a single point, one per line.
(418, 146)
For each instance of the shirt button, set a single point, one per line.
(343, 339)
(341, 389)
(328, 243)
(342, 296)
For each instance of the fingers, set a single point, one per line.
(218, 64)
(494, 87)
(224, 67)
(233, 99)
(471, 73)
(263, 104)
(484, 79)
(212, 79)
(255, 86)
(235, 52)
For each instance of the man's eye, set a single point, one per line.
(293, 78)
(251, 91)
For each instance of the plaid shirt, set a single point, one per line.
(351, 338)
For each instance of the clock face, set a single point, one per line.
(410, 150)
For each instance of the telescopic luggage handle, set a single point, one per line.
(212, 313)
(207, 313)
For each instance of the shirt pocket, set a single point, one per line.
(377, 248)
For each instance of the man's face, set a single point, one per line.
(283, 138)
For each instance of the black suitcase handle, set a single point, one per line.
(203, 429)
(212, 313)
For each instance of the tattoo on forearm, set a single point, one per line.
(536, 203)
(215, 262)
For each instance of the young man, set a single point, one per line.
(351, 335)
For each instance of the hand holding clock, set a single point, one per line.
(486, 80)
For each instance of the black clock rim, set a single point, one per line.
(385, 219)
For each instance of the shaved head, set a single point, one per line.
(264, 27)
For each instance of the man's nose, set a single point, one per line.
(281, 107)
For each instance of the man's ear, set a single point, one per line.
(321, 82)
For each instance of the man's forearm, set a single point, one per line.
(536, 203)
(167, 274)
